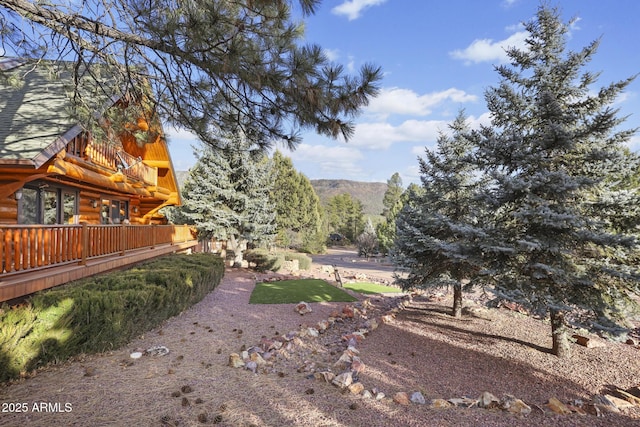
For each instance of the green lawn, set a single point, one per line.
(371, 288)
(294, 291)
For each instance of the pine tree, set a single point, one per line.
(211, 65)
(345, 215)
(552, 145)
(226, 197)
(439, 236)
(367, 241)
(386, 230)
(298, 210)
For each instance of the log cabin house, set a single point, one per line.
(70, 202)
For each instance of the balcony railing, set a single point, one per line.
(114, 158)
(26, 248)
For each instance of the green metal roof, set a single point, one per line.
(35, 120)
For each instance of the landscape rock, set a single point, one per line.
(257, 359)
(588, 341)
(235, 360)
(619, 403)
(558, 407)
(356, 388)
(303, 308)
(343, 380)
(463, 402)
(325, 376)
(440, 404)
(251, 366)
(157, 350)
(488, 401)
(418, 398)
(401, 398)
(348, 312)
(367, 394)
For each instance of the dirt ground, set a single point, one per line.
(422, 349)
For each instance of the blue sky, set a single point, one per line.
(438, 57)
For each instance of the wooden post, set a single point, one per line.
(84, 238)
(337, 274)
(123, 239)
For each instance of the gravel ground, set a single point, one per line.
(422, 349)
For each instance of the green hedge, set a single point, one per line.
(272, 261)
(102, 312)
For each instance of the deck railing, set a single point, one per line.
(29, 247)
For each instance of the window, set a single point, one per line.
(114, 211)
(48, 205)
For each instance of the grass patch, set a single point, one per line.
(371, 288)
(294, 291)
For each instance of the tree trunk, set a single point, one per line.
(559, 334)
(457, 300)
(238, 246)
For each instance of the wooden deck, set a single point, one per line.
(39, 257)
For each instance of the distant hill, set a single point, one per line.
(369, 193)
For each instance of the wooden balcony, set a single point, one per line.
(114, 158)
(37, 257)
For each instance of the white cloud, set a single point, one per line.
(486, 50)
(353, 8)
(381, 135)
(332, 54)
(332, 161)
(405, 101)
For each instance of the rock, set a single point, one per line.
(235, 360)
(136, 355)
(589, 342)
(313, 332)
(372, 324)
(357, 365)
(323, 325)
(257, 358)
(463, 402)
(244, 355)
(157, 350)
(380, 395)
(251, 366)
(418, 398)
(303, 308)
(325, 376)
(488, 401)
(367, 394)
(387, 318)
(629, 397)
(343, 380)
(558, 407)
(401, 398)
(619, 403)
(440, 404)
(347, 312)
(344, 361)
(517, 406)
(356, 388)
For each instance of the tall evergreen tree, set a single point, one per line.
(386, 230)
(553, 143)
(298, 210)
(345, 215)
(226, 196)
(211, 64)
(439, 232)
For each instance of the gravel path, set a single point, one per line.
(423, 349)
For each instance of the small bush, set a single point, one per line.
(304, 261)
(102, 312)
(264, 260)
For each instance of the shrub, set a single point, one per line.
(263, 260)
(304, 261)
(102, 312)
